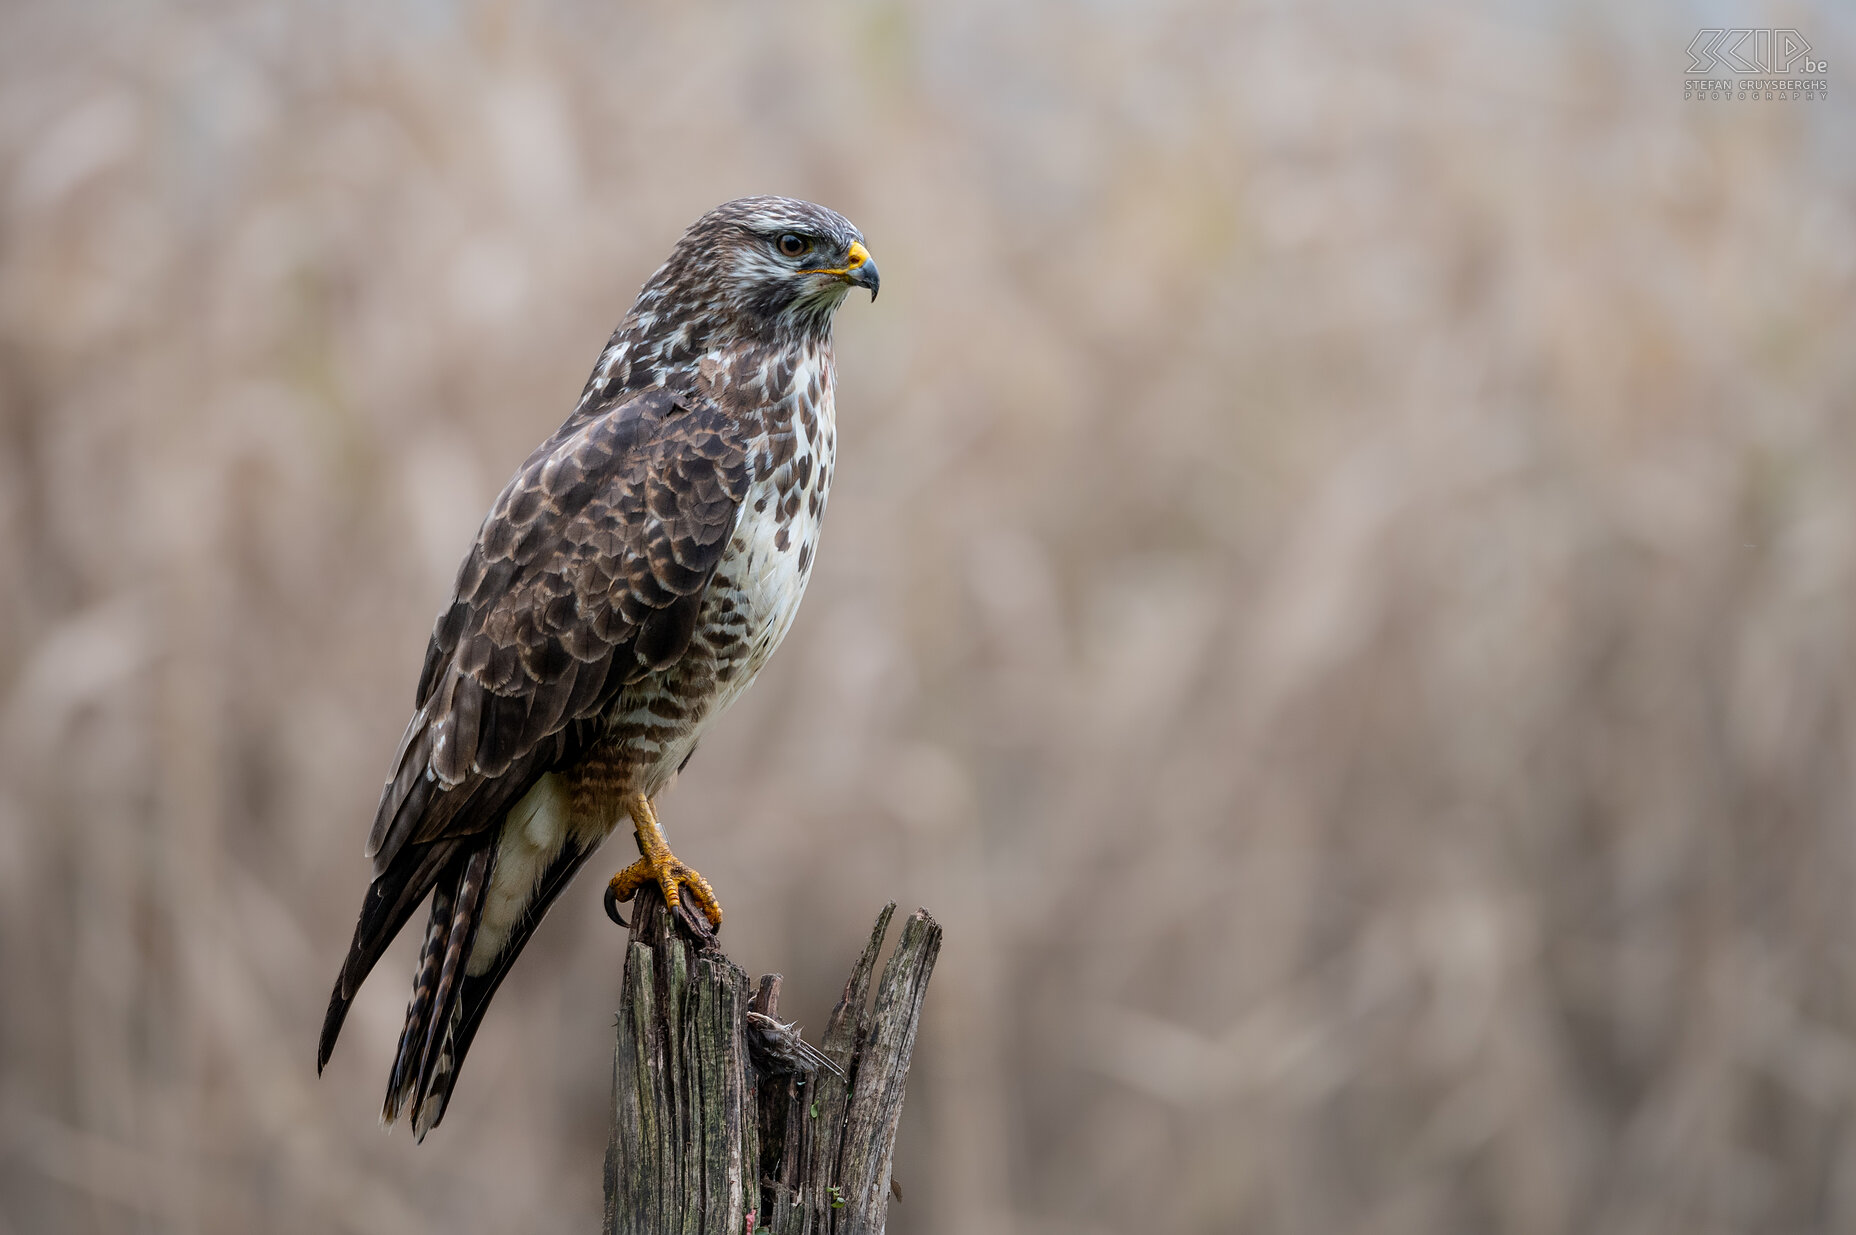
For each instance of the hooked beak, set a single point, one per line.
(858, 270)
(861, 271)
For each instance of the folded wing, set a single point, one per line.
(588, 573)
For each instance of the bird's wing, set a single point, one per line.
(588, 573)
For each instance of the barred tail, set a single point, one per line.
(427, 1057)
(419, 1011)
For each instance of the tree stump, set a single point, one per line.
(711, 1134)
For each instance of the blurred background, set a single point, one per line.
(1340, 595)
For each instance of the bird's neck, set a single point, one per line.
(700, 351)
(746, 374)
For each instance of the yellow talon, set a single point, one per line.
(660, 866)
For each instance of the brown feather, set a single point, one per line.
(390, 901)
(466, 912)
(419, 1009)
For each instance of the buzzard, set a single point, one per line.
(629, 582)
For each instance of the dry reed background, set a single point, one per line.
(1340, 595)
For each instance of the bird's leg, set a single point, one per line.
(657, 865)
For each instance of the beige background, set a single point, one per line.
(1339, 595)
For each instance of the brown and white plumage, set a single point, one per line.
(628, 584)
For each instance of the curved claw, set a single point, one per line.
(669, 873)
(656, 864)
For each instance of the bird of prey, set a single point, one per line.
(629, 582)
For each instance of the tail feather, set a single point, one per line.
(419, 1009)
(390, 901)
(450, 856)
(447, 825)
(437, 1093)
(476, 990)
(444, 1011)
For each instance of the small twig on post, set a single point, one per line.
(713, 1130)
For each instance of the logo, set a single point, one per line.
(1768, 64)
(1744, 50)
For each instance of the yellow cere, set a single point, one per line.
(858, 256)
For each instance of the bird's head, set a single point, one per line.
(768, 265)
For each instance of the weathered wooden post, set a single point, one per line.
(713, 1133)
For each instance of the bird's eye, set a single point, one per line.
(793, 244)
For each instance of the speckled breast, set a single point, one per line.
(749, 607)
